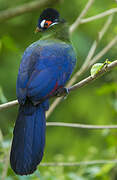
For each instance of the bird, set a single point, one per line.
(46, 66)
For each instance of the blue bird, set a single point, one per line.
(45, 67)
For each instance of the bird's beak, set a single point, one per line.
(38, 30)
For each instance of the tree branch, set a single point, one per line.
(83, 126)
(91, 51)
(96, 42)
(9, 104)
(76, 86)
(99, 16)
(103, 51)
(27, 7)
(84, 163)
(83, 13)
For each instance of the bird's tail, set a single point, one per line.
(28, 139)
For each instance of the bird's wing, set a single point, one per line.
(42, 83)
(42, 70)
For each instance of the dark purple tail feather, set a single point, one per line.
(28, 139)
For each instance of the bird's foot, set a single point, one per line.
(62, 92)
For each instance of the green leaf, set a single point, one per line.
(96, 68)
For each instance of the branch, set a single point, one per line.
(99, 16)
(83, 126)
(9, 104)
(92, 50)
(83, 13)
(27, 7)
(104, 51)
(95, 44)
(92, 78)
(80, 163)
(77, 85)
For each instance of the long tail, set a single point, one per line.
(28, 139)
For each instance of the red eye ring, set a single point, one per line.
(47, 24)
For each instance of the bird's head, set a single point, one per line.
(48, 19)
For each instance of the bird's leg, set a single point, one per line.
(62, 92)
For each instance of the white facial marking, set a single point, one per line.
(53, 24)
(42, 23)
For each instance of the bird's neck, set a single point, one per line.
(59, 33)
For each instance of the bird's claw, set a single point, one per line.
(62, 92)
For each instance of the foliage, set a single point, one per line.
(93, 104)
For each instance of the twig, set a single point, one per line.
(83, 13)
(79, 163)
(84, 126)
(104, 51)
(27, 7)
(91, 78)
(9, 104)
(99, 16)
(91, 51)
(76, 86)
(96, 42)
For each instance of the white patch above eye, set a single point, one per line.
(42, 23)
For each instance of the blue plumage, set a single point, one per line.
(29, 139)
(46, 66)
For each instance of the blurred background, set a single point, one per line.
(94, 104)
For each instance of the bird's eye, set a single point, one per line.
(47, 24)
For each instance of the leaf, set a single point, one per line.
(96, 68)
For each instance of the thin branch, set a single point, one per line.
(114, 161)
(84, 126)
(99, 16)
(77, 85)
(92, 78)
(104, 51)
(53, 105)
(27, 7)
(83, 13)
(91, 51)
(96, 42)
(9, 104)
